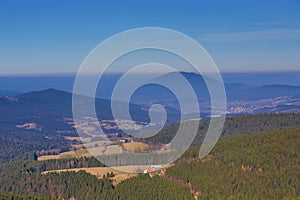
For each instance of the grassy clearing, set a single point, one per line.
(51, 157)
(120, 175)
(68, 154)
(96, 151)
(135, 146)
(79, 139)
(115, 149)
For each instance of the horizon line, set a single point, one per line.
(51, 74)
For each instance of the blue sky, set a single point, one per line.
(54, 36)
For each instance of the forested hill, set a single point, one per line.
(19, 143)
(259, 166)
(6, 196)
(235, 126)
(274, 156)
(49, 107)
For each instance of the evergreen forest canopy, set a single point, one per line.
(242, 165)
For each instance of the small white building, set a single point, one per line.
(155, 167)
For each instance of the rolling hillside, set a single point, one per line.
(259, 166)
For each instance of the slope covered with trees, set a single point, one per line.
(4, 196)
(66, 185)
(257, 166)
(17, 143)
(81, 185)
(235, 126)
(260, 166)
(144, 187)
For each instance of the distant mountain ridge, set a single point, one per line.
(234, 91)
(241, 98)
(49, 108)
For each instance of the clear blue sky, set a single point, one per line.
(54, 36)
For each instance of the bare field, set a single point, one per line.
(96, 148)
(51, 157)
(100, 171)
(68, 154)
(115, 149)
(79, 139)
(135, 146)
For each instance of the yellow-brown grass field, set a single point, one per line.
(100, 171)
(115, 149)
(134, 146)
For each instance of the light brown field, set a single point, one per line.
(89, 144)
(79, 139)
(133, 146)
(51, 157)
(96, 148)
(68, 154)
(115, 149)
(100, 171)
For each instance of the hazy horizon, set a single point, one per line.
(28, 83)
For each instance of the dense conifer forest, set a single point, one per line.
(260, 166)
(265, 165)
